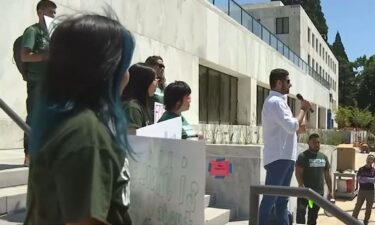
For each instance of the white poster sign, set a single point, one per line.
(171, 128)
(158, 111)
(167, 182)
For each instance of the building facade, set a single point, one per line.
(226, 64)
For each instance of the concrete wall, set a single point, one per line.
(247, 162)
(184, 33)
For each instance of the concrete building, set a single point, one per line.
(225, 59)
(292, 26)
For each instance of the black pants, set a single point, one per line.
(301, 212)
(31, 90)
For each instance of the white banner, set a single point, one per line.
(167, 182)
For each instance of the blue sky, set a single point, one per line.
(353, 19)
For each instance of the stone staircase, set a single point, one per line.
(214, 216)
(13, 187)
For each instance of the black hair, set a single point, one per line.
(277, 74)
(88, 58)
(44, 4)
(313, 136)
(174, 94)
(140, 78)
(153, 60)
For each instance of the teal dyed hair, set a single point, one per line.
(89, 56)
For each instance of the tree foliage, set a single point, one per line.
(365, 79)
(353, 117)
(347, 81)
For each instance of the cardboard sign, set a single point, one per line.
(167, 129)
(220, 168)
(158, 111)
(167, 182)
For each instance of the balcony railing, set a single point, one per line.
(234, 10)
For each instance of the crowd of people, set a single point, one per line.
(84, 98)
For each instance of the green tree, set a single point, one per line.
(342, 117)
(361, 118)
(347, 87)
(314, 10)
(365, 80)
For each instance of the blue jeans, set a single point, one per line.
(279, 173)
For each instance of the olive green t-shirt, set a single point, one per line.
(135, 114)
(36, 38)
(314, 165)
(187, 130)
(79, 173)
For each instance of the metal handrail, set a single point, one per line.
(15, 117)
(256, 190)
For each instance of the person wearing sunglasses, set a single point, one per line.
(156, 62)
(280, 143)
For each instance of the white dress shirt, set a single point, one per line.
(279, 129)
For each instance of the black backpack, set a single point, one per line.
(21, 66)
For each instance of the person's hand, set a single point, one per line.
(305, 105)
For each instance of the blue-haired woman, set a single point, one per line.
(78, 168)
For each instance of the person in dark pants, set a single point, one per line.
(34, 51)
(312, 169)
(366, 179)
(280, 144)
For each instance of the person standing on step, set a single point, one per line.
(280, 144)
(312, 169)
(34, 52)
(366, 179)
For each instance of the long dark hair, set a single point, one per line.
(141, 76)
(88, 58)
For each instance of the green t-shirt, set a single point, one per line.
(79, 173)
(135, 114)
(187, 131)
(314, 165)
(37, 39)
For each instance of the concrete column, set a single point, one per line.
(313, 122)
(323, 118)
(246, 109)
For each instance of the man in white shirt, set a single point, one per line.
(280, 144)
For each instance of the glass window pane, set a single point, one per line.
(233, 100)
(222, 4)
(273, 41)
(235, 11)
(265, 35)
(203, 75)
(247, 21)
(286, 51)
(213, 96)
(224, 99)
(257, 28)
(280, 47)
(286, 25)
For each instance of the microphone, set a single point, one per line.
(299, 97)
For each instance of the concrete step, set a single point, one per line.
(13, 177)
(246, 222)
(13, 199)
(207, 199)
(13, 219)
(214, 216)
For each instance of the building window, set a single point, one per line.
(313, 40)
(308, 34)
(308, 59)
(320, 49)
(316, 45)
(313, 64)
(217, 97)
(262, 94)
(282, 25)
